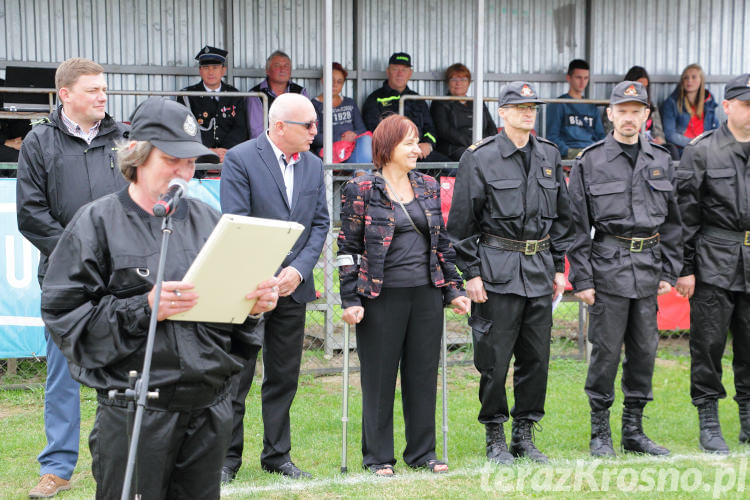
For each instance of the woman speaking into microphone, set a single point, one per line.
(97, 299)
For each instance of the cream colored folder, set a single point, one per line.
(240, 253)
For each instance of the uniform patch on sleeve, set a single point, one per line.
(547, 171)
(655, 173)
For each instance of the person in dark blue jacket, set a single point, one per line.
(689, 111)
(574, 127)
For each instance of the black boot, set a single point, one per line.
(745, 422)
(711, 439)
(633, 437)
(497, 449)
(522, 442)
(601, 435)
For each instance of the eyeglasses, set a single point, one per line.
(524, 107)
(458, 80)
(307, 125)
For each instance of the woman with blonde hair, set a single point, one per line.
(689, 111)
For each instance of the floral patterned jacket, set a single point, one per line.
(367, 227)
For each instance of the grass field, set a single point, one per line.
(316, 437)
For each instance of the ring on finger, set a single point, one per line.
(171, 302)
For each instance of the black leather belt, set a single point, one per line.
(725, 234)
(633, 244)
(527, 247)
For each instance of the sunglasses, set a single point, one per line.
(307, 125)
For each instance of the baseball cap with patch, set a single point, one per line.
(169, 126)
(400, 58)
(628, 91)
(518, 93)
(738, 88)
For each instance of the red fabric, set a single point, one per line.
(342, 150)
(674, 312)
(446, 196)
(694, 128)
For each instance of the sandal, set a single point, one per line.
(435, 466)
(382, 470)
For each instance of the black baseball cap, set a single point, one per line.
(628, 91)
(518, 93)
(738, 88)
(211, 55)
(400, 58)
(169, 126)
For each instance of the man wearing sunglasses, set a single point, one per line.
(510, 225)
(275, 176)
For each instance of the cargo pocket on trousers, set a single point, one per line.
(484, 353)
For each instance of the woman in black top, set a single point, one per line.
(454, 120)
(397, 271)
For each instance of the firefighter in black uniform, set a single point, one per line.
(510, 224)
(622, 187)
(713, 180)
(222, 120)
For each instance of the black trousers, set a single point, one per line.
(179, 455)
(615, 320)
(511, 325)
(713, 313)
(402, 326)
(284, 334)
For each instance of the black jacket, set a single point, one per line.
(493, 194)
(384, 101)
(95, 299)
(454, 123)
(224, 122)
(614, 198)
(713, 183)
(58, 173)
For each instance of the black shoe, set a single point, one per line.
(227, 475)
(745, 422)
(601, 435)
(710, 430)
(497, 449)
(522, 441)
(634, 439)
(288, 469)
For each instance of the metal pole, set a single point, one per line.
(328, 174)
(345, 399)
(478, 69)
(228, 39)
(445, 389)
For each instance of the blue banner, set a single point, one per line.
(21, 327)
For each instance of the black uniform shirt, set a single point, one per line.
(606, 193)
(223, 121)
(714, 190)
(493, 194)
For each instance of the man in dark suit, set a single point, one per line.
(276, 177)
(222, 120)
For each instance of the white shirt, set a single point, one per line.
(217, 89)
(287, 170)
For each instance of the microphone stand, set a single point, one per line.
(138, 391)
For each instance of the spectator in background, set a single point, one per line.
(574, 126)
(408, 273)
(454, 120)
(12, 133)
(384, 101)
(222, 120)
(278, 73)
(348, 126)
(689, 111)
(654, 128)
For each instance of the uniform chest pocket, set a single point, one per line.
(608, 200)
(658, 196)
(548, 196)
(722, 183)
(506, 200)
(130, 276)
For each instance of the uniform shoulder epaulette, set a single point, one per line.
(661, 147)
(703, 136)
(590, 146)
(546, 141)
(481, 143)
(40, 121)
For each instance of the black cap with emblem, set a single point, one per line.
(169, 126)
(738, 88)
(518, 93)
(628, 91)
(211, 55)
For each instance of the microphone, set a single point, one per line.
(168, 201)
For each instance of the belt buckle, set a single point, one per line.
(746, 242)
(636, 244)
(531, 247)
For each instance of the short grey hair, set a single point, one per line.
(277, 53)
(130, 159)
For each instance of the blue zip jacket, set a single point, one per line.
(573, 125)
(675, 122)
